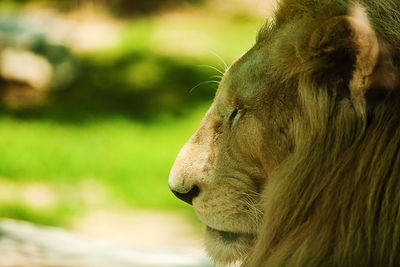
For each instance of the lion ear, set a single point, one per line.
(351, 46)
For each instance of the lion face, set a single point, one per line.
(224, 165)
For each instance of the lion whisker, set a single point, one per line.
(214, 68)
(220, 58)
(251, 207)
(217, 77)
(200, 84)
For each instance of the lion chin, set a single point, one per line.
(227, 247)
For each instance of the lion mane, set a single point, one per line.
(335, 201)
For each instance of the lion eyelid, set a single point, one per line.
(234, 117)
(233, 114)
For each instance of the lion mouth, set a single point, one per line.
(224, 235)
(228, 237)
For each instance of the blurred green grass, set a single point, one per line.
(122, 121)
(131, 159)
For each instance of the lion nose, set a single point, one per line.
(187, 196)
(186, 178)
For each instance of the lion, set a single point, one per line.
(297, 161)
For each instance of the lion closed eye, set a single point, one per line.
(297, 161)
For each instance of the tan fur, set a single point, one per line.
(308, 171)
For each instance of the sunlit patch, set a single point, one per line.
(34, 194)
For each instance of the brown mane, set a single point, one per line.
(335, 201)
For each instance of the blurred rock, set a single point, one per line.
(25, 67)
(33, 61)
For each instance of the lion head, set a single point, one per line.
(297, 161)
